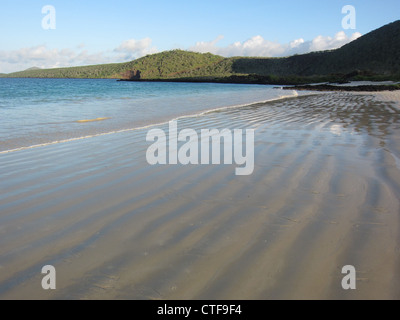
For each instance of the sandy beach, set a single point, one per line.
(325, 193)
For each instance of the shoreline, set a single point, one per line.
(145, 126)
(283, 85)
(361, 88)
(324, 194)
(257, 80)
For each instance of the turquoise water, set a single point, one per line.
(40, 111)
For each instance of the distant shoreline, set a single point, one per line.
(363, 88)
(305, 87)
(244, 80)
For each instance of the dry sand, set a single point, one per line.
(325, 193)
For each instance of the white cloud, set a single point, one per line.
(258, 46)
(133, 49)
(327, 43)
(296, 43)
(43, 57)
(204, 46)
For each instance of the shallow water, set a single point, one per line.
(37, 111)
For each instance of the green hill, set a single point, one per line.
(165, 65)
(374, 56)
(96, 71)
(180, 64)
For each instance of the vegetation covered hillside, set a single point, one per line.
(96, 71)
(374, 54)
(179, 63)
(164, 65)
(377, 52)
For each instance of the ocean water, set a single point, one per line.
(44, 111)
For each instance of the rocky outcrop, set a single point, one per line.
(131, 75)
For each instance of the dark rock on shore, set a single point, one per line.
(327, 87)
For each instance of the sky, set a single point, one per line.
(87, 32)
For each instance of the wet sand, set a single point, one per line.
(325, 193)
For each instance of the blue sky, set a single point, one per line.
(91, 32)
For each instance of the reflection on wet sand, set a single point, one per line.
(324, 194)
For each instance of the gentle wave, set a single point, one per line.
(293, 94)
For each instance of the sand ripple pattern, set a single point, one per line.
(325, 193)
